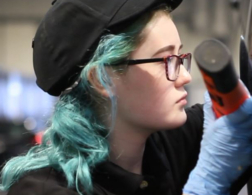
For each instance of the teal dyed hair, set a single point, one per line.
(76, 140)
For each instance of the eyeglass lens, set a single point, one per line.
(174, 63)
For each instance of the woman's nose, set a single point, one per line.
(183, 78)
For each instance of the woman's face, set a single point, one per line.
(146, 99)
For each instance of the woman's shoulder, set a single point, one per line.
(41, 182)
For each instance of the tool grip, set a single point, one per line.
(216, 66)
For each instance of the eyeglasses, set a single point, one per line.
(172, 64)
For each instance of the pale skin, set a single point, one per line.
(146, 101)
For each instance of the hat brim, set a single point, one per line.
(127, 12)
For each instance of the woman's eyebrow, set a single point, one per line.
(167, 48)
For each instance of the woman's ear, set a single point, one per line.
(95, 83)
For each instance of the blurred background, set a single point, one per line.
(25, 109)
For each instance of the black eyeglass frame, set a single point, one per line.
(181, 57)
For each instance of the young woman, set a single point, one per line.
(119, 127)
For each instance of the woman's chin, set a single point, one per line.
(178, 120)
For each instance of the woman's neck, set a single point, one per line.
(127, 149)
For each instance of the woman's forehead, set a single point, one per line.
(160, 33)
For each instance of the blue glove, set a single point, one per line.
(226, 151)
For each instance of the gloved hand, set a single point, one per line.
(226, 151)
(209, 116)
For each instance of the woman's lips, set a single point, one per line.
(182, 100)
